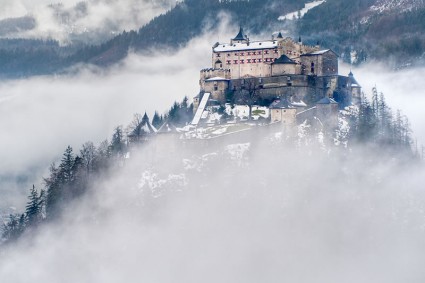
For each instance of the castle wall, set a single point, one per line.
(256, 62)
(217, 89)
(247, 63)
(285, 116)
(283, 69)
(328, 114)
(325, 64)
(329, 64)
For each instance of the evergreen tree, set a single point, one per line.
(157, 120)
(54, 192)
(14, 228)
(66, 166)
(118, 143)
(33, 211)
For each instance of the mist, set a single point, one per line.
(72, 17)
(403, 89)
(41, 116)
(272, 213)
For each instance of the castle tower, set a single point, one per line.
(240, 37)
(355, 88)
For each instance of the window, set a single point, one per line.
(242, 54)
(312, 67)
(218, 55)
(253, 53)
(236, 54)
(242, 61)
(215, 87)
(228, 54)
(235, 61)
(229, 62)
(275, 51)
(259, 60)
(266, 52)
(249, 60)
(259, 53)
(254, 60)
(248, 53)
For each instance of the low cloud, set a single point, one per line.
(82, 18)
(275, 214)
(40, 116)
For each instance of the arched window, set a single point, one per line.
(218, 64)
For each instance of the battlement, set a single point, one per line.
(208, 70)
(214, 73)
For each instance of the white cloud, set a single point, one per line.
(101, 16)
(40, 116)
(284, 217)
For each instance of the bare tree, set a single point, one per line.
(249, 93)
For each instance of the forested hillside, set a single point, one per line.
(390, 33)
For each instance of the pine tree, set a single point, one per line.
(34, 208)
(66, 166)
(14, 228)
(54, 192)
(157, 120)
(117, 144)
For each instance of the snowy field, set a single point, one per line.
(302, 12)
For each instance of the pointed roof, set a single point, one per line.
(240, 35)
(280, 35)
(167, 128)
(281, 104)
(327, 100)
(284, 60)
(145, 118)
(353, 81)
(147, 126)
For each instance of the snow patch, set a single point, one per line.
(302, 12)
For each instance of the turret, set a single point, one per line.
(240, 37)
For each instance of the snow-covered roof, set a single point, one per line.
(216, 79)
(281, 104)
(253, 45)
(167, 127)
(286, 104)
(299, 103)
(327, 100)
(320, 52)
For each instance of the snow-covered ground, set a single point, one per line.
(400, 6)
(302, 12)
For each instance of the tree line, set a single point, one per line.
(73, 176)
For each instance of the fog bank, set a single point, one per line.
(273, 214)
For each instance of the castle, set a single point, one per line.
(287, 75)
